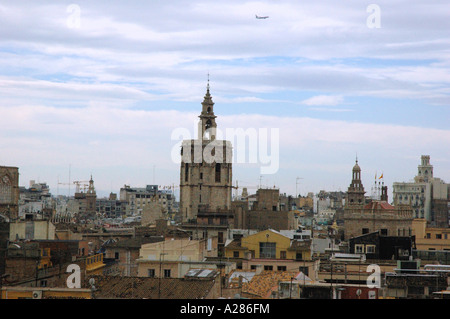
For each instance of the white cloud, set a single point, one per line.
(323, 100)
(97, 138)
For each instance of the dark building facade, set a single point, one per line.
(376, 246)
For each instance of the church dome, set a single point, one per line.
(356, 167)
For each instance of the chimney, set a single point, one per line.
(384, 195)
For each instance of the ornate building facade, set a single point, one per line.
(363, 216)
(9, 192)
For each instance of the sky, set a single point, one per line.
(101, 87)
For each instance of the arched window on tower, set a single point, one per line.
(208, 126)
(186, 172)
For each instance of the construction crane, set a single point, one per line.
(79, 184)
(57, 191)
(296, 183)
(68, 184)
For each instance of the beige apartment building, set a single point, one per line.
(172, 258)
(430, 238)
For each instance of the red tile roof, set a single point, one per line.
(263, 284)
(116, 287)
(377, 205)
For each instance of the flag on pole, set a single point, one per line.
(381, 176)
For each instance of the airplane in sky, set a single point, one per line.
(261, 17)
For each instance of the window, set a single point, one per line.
(235, 254)
(438, 236)
(298, 256)
(370, 249)
(151, 273)
(359, 249)
(209, 244)
(412, 290)
(384, 232)
(186, 172)
(267, 250)
(217, 173)
(116, 255)
(304, 270)
(281, 268)
(201, 175)
(268, 267)
(428, 235)
(365, 231)
(166, 273)
(282, 254)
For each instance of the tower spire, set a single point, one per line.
(207, 124)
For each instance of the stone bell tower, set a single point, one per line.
(207, 124)
(355, 192)
(206, 168)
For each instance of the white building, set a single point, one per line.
(139, 198)
(422, 191)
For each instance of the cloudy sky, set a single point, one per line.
(99, 87)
